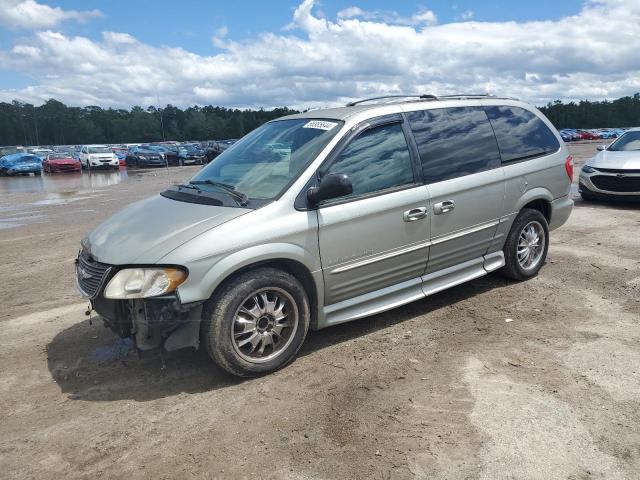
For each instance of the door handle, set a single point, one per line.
(444, 207)
(414, 214)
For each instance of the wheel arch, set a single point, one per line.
(542, 205)
(537, 199)
(294, 268)
(295, 261)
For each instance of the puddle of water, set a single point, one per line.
(58, 199)
(66, 184)
(118, 350)
(5, 225)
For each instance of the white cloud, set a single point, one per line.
(466, 15)
(592, 54)
(222, 31)
(421, 17)
(117, 37)
(30, 14)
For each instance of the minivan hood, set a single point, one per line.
(147, 230)
(616, 160)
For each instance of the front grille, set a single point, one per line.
(615, 170)
(90, 274)
(617, 184)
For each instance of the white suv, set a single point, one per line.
(98, 156)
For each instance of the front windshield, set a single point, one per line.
(628, 142)
(264, 162)
(99, 150)
(28, 159)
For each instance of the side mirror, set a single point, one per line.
(601, 147)
(333, 185)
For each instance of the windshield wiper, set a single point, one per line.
(190, 185)
(240, 198)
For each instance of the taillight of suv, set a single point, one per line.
(568, 165)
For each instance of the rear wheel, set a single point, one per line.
(256, 322)
(526, 247)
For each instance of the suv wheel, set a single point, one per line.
(257, 322)
(526, 247)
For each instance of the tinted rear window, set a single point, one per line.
(454, 142)
(520, 133)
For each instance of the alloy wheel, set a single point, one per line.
(531, 245)
(264, 325)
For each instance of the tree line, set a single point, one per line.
(623, 112)
(54, 123)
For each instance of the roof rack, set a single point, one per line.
(421, 97)
(428, 97)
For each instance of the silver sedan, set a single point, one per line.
(615, 171)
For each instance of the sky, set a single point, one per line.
(314, 53)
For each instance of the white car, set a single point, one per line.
(98, 156)
(614, 173)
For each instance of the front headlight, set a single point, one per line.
(144, 283)
(588, 169)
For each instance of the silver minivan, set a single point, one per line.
(327, 216)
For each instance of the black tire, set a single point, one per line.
(512, 268)
(218, 320)
(588, 197)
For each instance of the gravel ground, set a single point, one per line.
(445, 387)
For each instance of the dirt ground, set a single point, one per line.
(443, 388)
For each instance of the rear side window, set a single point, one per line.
(520, 133)
(454, 142)
(376, 160)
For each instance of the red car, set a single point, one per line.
(61, 162)
(587, 135)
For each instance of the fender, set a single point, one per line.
(229, 264)
(536, 193)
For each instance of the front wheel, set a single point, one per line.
(526, 247)
(257, 322)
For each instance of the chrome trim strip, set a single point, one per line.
(379, 258)
(462, 233)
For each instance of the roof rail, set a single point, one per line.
(428, 97)
(421, 97)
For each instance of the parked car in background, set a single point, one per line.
(606, 134)
(211, 150)
(170, 152)
(566, 136)
(224, 144)
(9, 150)
(61, 162)
(144, 157)
(121, 155)
(588, 135)
(614, 172)
(40, 152)
(98, 156)
(20, 164)
(192, 154)
(360, 210)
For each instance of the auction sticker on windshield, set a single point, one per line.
(320, 124)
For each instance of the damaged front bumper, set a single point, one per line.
(152, 322)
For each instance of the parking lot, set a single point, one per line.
(491, 379)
